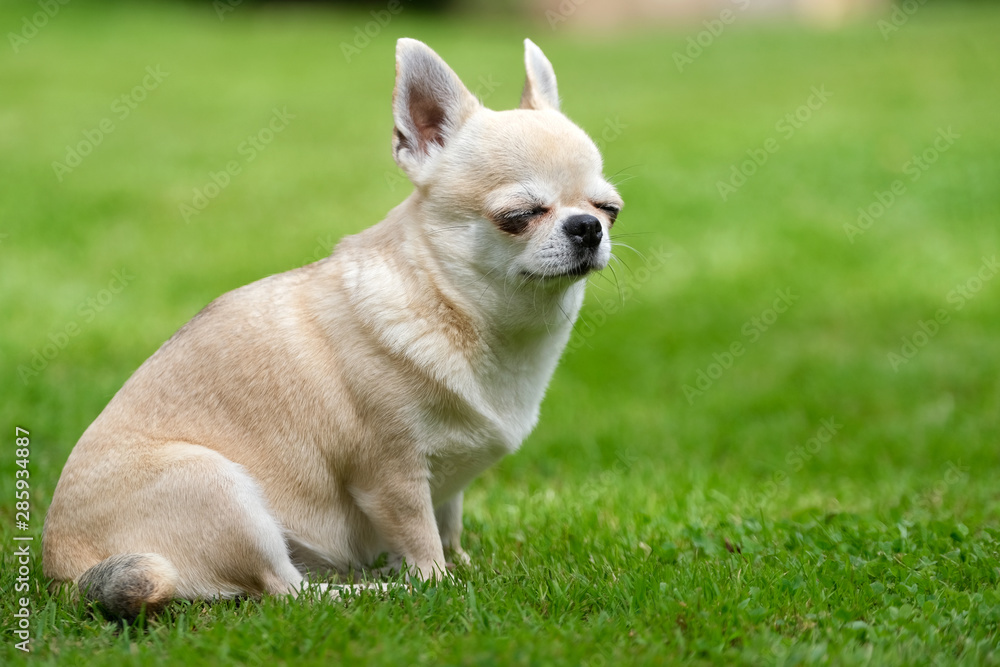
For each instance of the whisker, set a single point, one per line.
(483, 277)
(614, 283)
(622, 262)
(488, 285)
(618, 284)
(604, 277)
(565, 314)
(619, 181)
(616, 244)
(597, 285)
(517, 288)
(576, 330)
(615, 175)
(618, 236)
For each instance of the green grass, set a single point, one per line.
(635, 525)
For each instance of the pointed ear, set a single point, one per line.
(429, 104)
(540, 91)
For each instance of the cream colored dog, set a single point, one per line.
(316, 419)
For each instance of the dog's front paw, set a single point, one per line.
(458, 557)
(436, 571)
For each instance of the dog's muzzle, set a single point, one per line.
(585, 235)
(583, 230)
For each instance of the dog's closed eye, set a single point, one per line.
(517, 220)
(612, 210)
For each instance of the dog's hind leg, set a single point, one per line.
(195, 526)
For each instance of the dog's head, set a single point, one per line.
(513, 193)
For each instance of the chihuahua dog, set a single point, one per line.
(316, 419)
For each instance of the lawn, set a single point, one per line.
(775, 438)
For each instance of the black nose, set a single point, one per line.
(584, 230)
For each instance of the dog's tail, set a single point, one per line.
(124, 584)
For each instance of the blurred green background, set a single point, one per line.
(813, 197)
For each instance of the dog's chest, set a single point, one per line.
(463, 435)
(468, 400)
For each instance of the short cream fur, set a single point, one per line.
(313, 420)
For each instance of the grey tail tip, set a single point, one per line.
(124, 585)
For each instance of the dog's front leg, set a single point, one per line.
(400, 508)
(449, 521)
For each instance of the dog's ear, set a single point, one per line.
(429, 104)
(540, 91)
